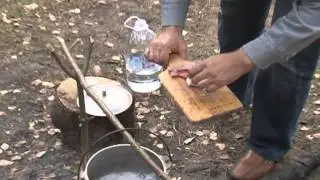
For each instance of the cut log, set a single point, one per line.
(65, 115)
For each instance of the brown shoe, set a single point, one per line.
(251, 167)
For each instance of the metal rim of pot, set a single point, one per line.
(117, 131)
(86, 177)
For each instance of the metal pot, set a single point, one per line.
(121, 162)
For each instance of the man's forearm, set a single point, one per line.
(174, 12)
(287, 36)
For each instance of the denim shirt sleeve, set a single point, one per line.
(287, 36)
(174, 12)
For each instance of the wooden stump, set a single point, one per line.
(65, 116)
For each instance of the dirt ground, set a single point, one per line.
(36, 149)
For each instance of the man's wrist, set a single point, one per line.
(173, 28)
(245, 61)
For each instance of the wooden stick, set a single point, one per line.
(74, 43)
(57, 59)
(86, 66)
(110, 115)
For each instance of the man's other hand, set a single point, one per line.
(168, 41)
(216, 71)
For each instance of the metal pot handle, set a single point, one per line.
(117, 131)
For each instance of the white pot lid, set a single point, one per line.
(117, 99)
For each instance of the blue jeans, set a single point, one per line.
(278, 93)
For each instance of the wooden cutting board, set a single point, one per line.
(196, 106)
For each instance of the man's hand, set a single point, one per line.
(169, 40)
(217, 71)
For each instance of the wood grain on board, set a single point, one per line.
(194, 104)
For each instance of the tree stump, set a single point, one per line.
(65, 115)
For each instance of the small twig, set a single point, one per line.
(86, 66)
(57, 59)
(109, 114)
(74, 44)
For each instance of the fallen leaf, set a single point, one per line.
(189, 140)
(75, 11)
(88, 23)
(162, 117)
(31, 6)
(116, 58)
(15, 158)
(58, 144)
(152, 136)
(169, 134)
(317, 75)
(14, 57)
(224, 157)
(47, 84)
(143, 110)
(42, 27)
(11, 108)
(71, 24)
(221, 146)
(190, 45)
(75, 31)
(52, 17)
(109, 44)
(80, 56)
(36, 136)
(40, 154)
(199, 133)
(213, 136)
(140, 116)
(5, 146)
(36, 82)
(5, 19)
(51, 98)
(10, 153)
(160, 146)
(4, 162)
(238, 136)
(310, 137)
(26, 40)
(216, 51)
(102, 2)
(316, 112)
(3, 113)
(184, 32)
(145, 103)
(304, 128)
(317, 102)
(43, 91)
(53, 131)
(163, 132)
(156, 93)
(18, 144)
(205, 142)
(119, 70)
(56, 32)
(4, 92)
(16, 91)
(165, 112)
(31, 125)
(316, 135)
(1, 151)
(16, 24)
